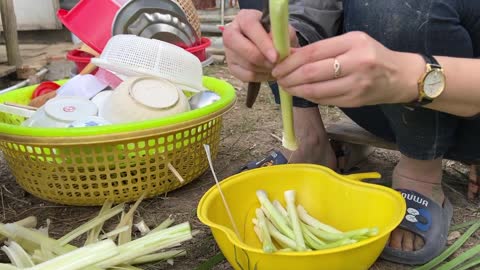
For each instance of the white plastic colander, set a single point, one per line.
(131, 55)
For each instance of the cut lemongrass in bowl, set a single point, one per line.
(291, 228)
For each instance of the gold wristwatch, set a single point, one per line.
(432, 83)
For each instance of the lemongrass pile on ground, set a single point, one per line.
(32, 249)
(294, 229)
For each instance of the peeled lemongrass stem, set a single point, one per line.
(257, 231)
(160, 256)
(311, 237)
(292, 214)
(150, 243)
(277, 219)
(305, 217)
(90, 224)
(325, 235)
(262, 224)
(19, 232)
(93, 234)
(4, 266)
(17, 255)
(280, 209)
(283, 240)
(338, 243)
(280, 33)
(81, 258)
(28, 222)
(165, 224)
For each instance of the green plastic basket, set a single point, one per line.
(86, 166)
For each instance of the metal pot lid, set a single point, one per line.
(129, 12)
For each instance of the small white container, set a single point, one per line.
(144, 98)
(59, 112)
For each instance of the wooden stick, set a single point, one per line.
(176, 173)
(21, 106)
(88, 69)
(9, 22)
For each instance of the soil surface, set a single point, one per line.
(246, 136)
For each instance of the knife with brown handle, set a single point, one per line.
(254, 87)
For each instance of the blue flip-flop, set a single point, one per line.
(273, 158)
(426, 219)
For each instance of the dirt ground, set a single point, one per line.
(246, 136)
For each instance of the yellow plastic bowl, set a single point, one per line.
(341, 201)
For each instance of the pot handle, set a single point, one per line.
(363, 176)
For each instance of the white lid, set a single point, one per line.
(154, 93)
(69, 109)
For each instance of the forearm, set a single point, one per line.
(315, 19)
(461, 96)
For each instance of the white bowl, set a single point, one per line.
(143, 98)
(59, 112)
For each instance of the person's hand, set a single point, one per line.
(367, 72)
(249, 49)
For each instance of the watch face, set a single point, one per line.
(434, 84)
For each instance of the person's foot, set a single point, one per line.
(423, 177)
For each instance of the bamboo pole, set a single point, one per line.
(9, 21)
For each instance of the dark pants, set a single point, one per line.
(437, 27)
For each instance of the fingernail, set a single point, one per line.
(272, 56)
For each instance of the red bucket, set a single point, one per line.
(91, 21)
(200, 50)
(81, 59)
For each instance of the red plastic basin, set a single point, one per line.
(91, 21)
(81, 59)
(200, 50)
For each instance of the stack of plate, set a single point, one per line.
(155, 19)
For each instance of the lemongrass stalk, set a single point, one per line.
(19, 232)
(313, 241)
(453, 264)
(257, 231)
(150, 243)
(325, 235)
(90, 224)
(282, 210)
(81, 258)
(115, 232)
(93, 234)
(281, 239)
(277, 219)
(338, 243)
(4, 266)
(449, 251)
(17, 255)
(267, 244)
(286, 250)
(165, 224)
(294, 220)
(127, 220)
(280, 33)
(160, 256)
(308, 219)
